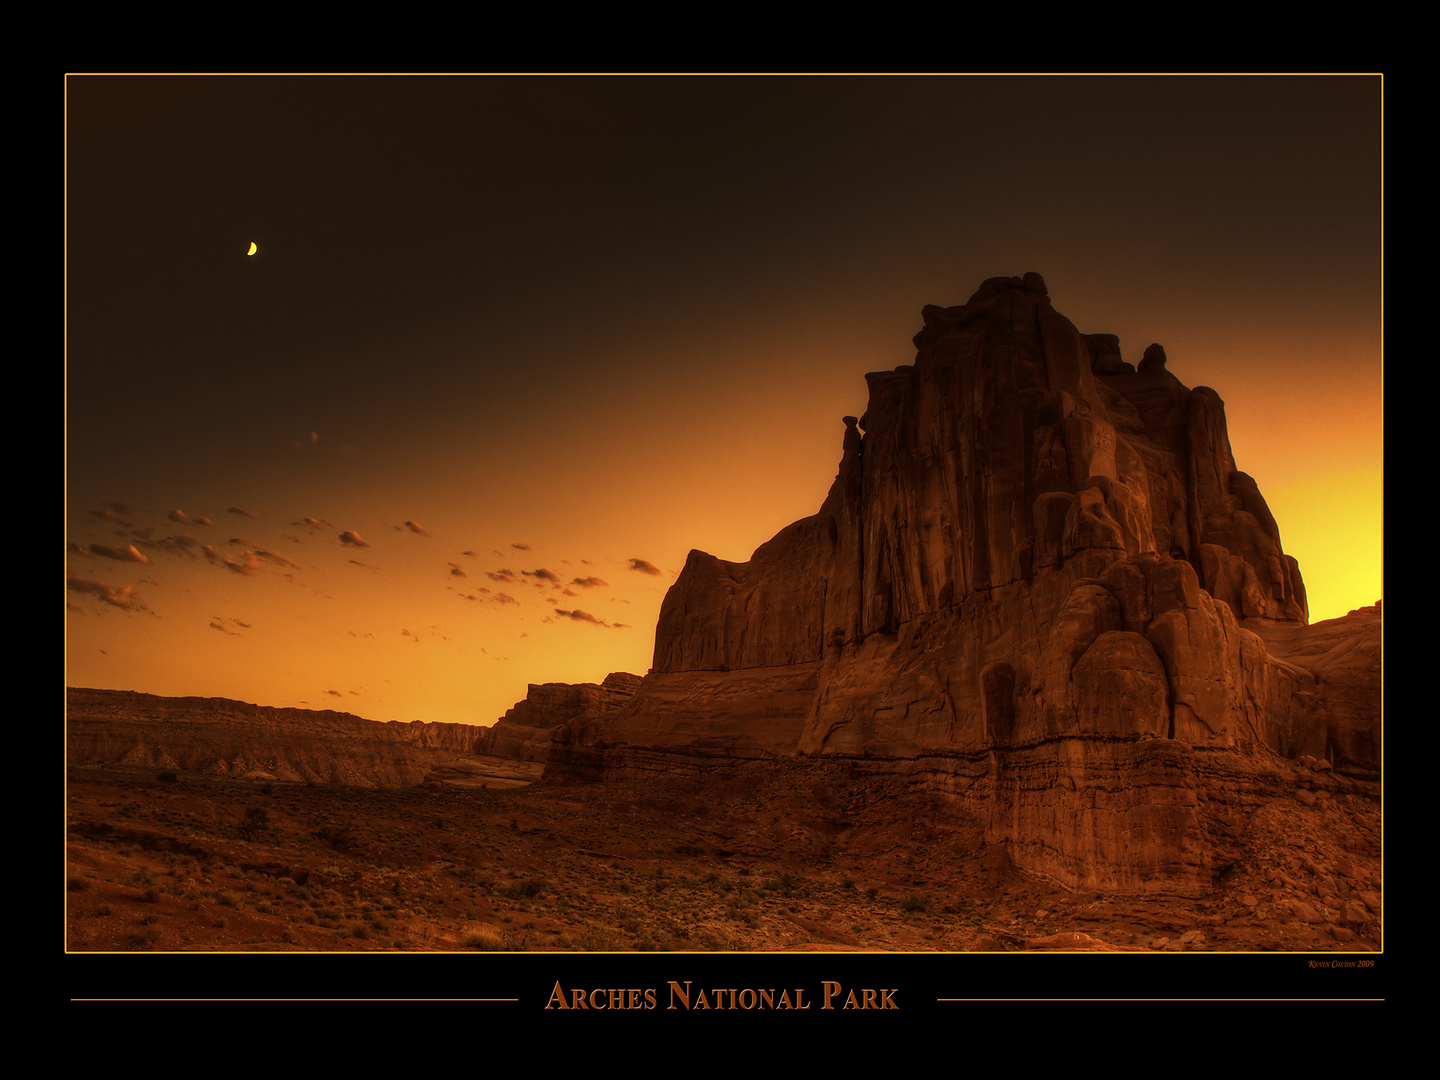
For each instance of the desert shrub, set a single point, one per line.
(597, 939)
(256, 820)
(334, 835)
(528, 889)
(76, 884)
(485, 939)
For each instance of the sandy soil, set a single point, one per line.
(790, 856)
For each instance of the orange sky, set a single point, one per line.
(516, 335)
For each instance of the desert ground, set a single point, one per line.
(782, 856)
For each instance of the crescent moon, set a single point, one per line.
(253, 248)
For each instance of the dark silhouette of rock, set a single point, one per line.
(526, 730)
(1038, 578)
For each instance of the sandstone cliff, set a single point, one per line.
(525, 731)
(234, 738)
(1038, 577)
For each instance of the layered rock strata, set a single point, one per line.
(1039, 575)
(234, 738)
(525, 731)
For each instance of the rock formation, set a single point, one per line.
(1040, 580)
(525, 731)
(233, 738)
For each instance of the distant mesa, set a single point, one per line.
(1040, 584)
(222, 737)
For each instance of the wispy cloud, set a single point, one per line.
(124, 598)
(353, 538)
(181, 544)
(114, 511)
(127, 554)
(250, 562)
(585, 617)
(416, 528)
(644, 566)
(589, 582)
(238, 512)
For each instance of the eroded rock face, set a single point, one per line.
(234, 738)
(1029, 540)
(526, 731)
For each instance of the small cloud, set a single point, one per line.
(500, 575)
(353, 538)
(521, 547)
(364, 565)
(314, 523)
(180, 543)
(334, 693)
(178, 516)
(644, 566)
(125, 598)
(113, 511)
(128, 554)
(417, 528)
(455, 571)
(590, 582)
(544, 575)
(248, 564)
(469, 553)
(275, 557)
(238, 512)
(582, 616)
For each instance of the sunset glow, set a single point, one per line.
(516, 345)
